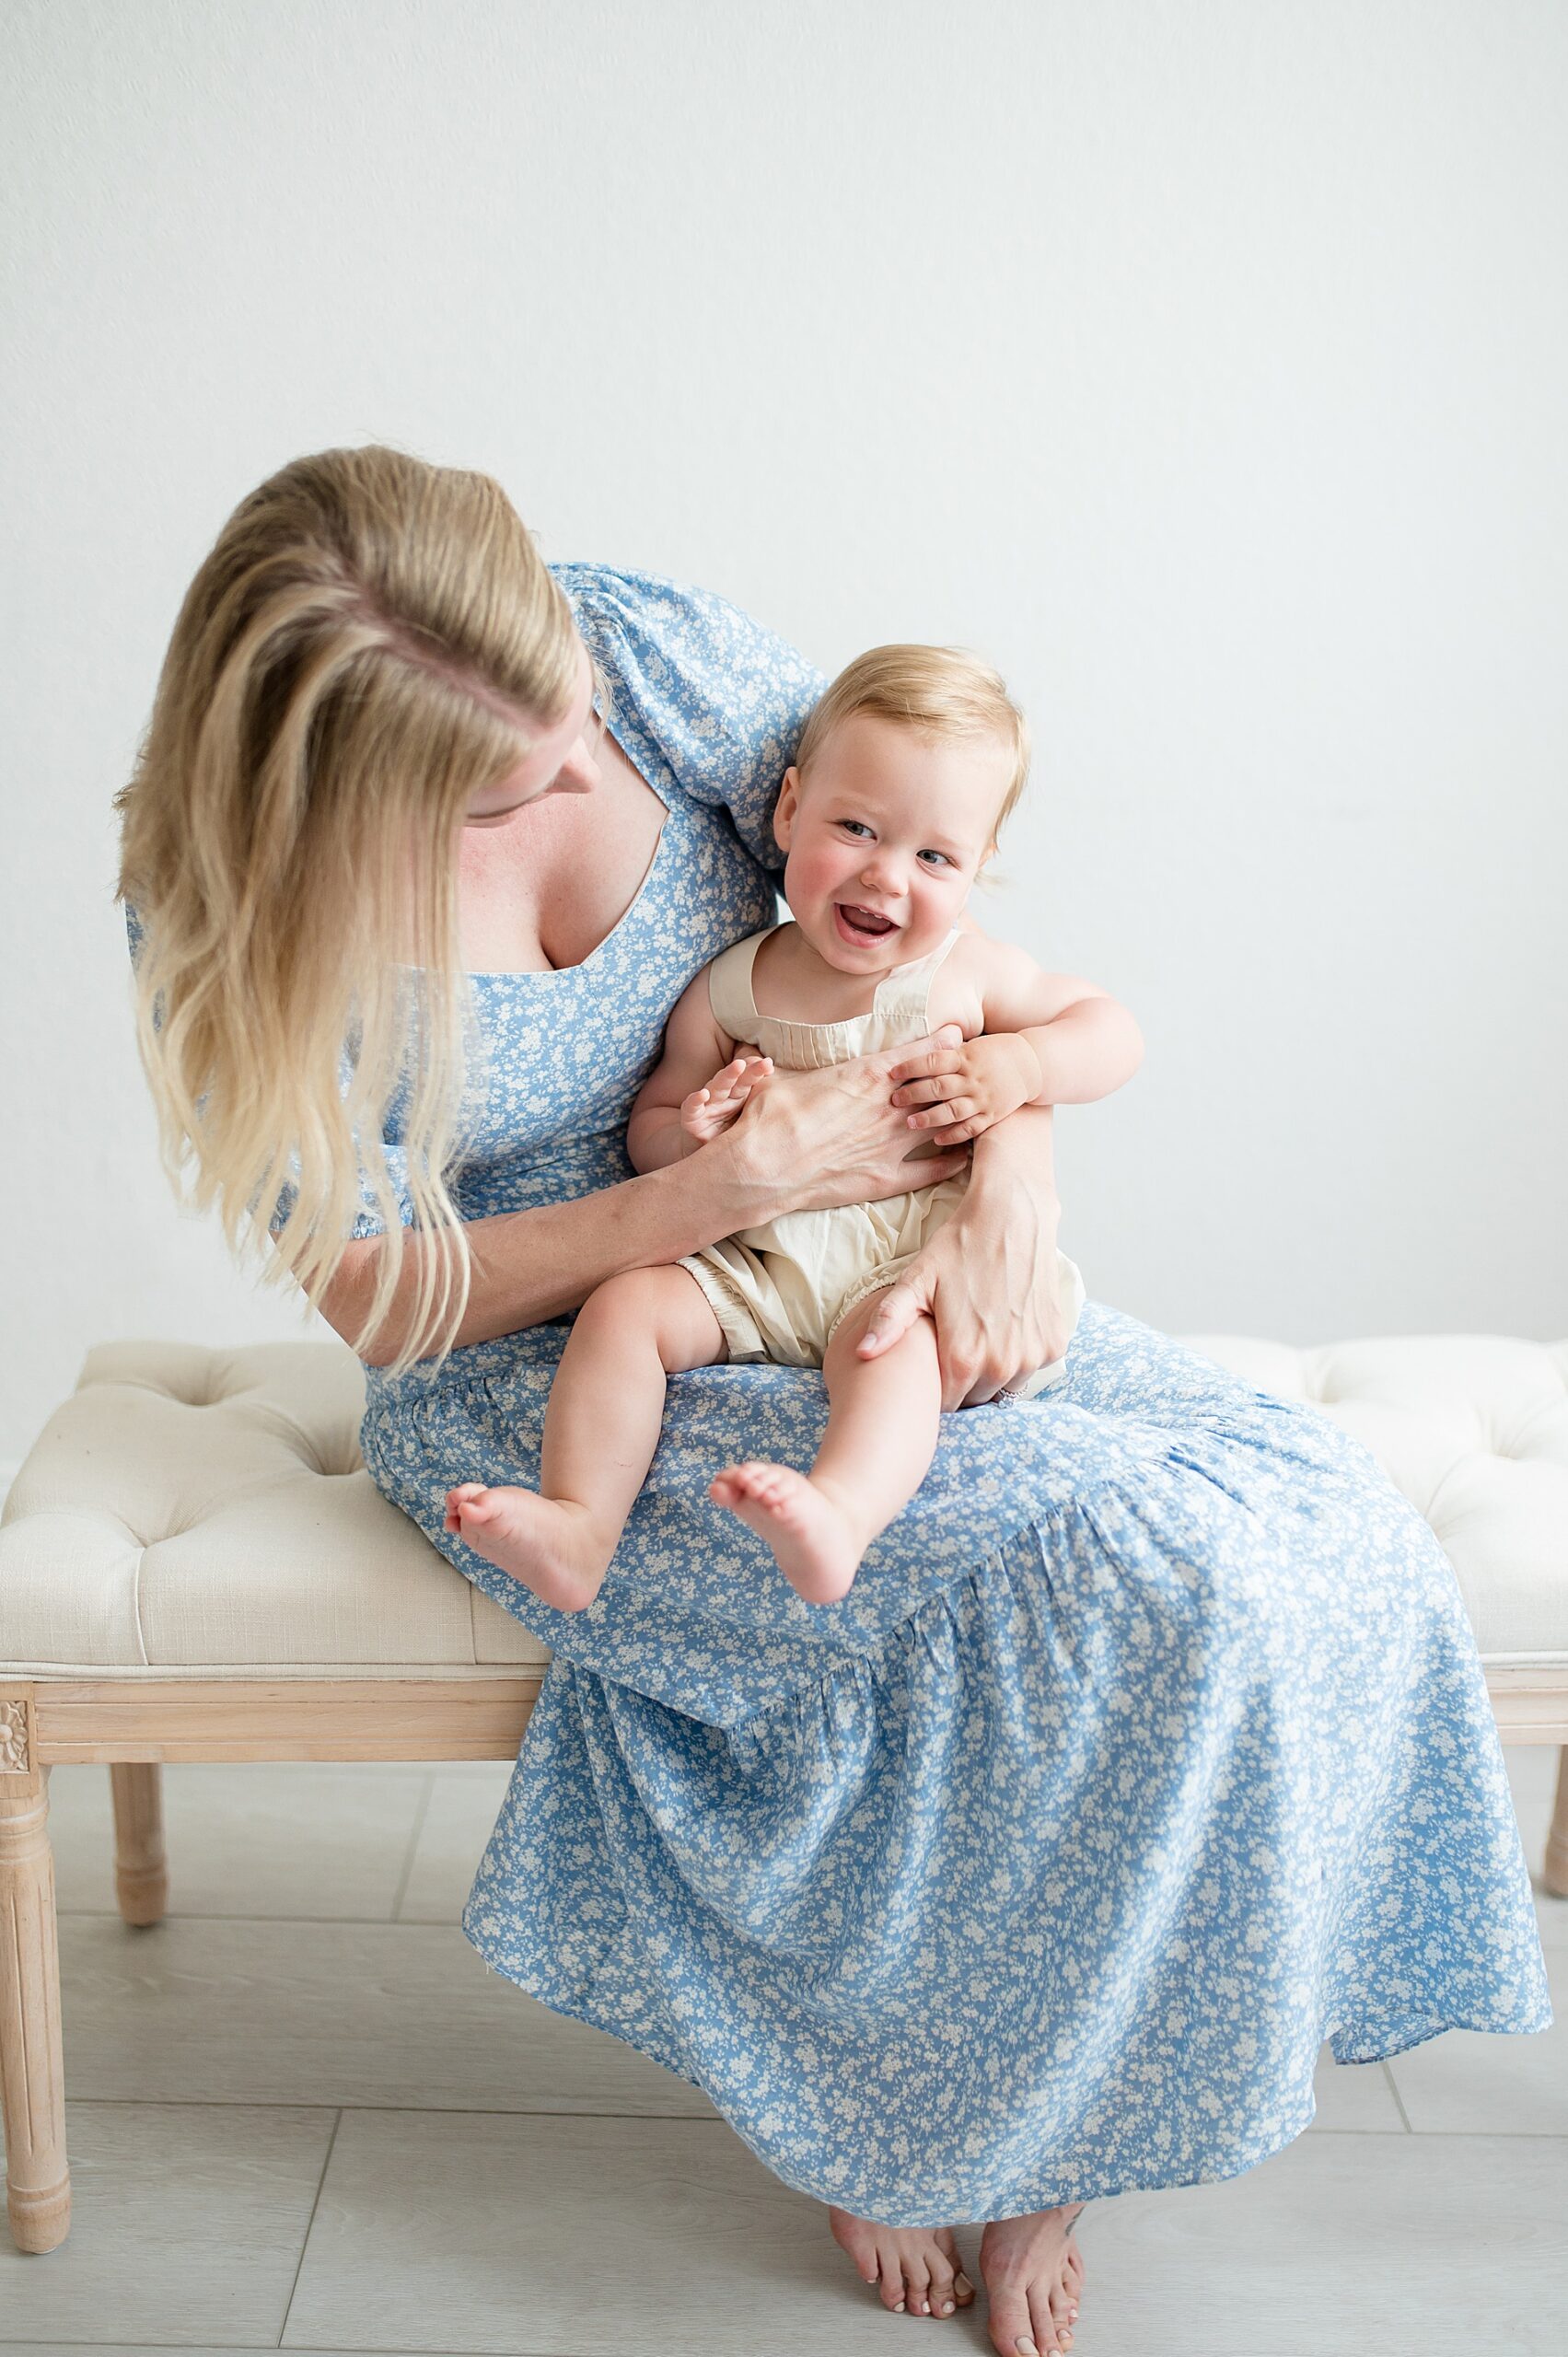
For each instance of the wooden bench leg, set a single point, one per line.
(1554, 1873)
(141, 1875)
(33, 2065)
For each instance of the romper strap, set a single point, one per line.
(905, 996)
(730, 988)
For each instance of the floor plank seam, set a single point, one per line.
(1387, 2070)
(306, 1922)
(310, 2227)
(674, 2118)
(420, 1813)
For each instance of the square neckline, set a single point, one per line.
(551, 973)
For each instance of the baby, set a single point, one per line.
(905, 772)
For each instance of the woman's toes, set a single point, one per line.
(1047, 2340)
(1011, 2335)
(855, 2236)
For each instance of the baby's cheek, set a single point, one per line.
(813, 874)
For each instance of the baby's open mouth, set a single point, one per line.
(862, 924)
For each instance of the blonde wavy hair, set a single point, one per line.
(371, 640)
(937, 692)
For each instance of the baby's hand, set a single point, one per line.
(968, 1090)
(708, 1113)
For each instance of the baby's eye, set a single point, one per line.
(855, 826)
(938, 854)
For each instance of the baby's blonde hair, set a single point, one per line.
(371, 640)
(937, 692)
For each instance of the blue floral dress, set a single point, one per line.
(1150, 1748)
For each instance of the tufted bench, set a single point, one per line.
(195, 1565)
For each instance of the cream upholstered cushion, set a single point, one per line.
(1474, 1428)
(191, 1512)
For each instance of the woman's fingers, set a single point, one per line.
(959, 1133)
(924, 1171)
(896, 1312)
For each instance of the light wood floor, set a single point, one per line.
(305, 2114)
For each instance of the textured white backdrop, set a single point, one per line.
(1205, 364)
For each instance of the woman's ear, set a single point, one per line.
(784, 809)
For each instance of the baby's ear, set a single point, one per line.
(785, 807)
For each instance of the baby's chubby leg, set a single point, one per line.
(882, 1422)
(600, 1431)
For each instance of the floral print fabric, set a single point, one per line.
(1150, 1748)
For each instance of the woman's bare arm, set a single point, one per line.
(809, 1140)
(532, 1265)
(988, 1276)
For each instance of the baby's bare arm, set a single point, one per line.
(694, 1050)
(1044, 1040)
(1086, 1043)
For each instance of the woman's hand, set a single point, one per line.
(988, 1277)
(810, 1140)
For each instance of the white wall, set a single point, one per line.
(1207, 363)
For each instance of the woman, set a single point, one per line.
(1151, 1746)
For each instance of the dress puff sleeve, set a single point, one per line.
(700, 694)
(368, 1220)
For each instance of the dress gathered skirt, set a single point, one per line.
(1150, 1748)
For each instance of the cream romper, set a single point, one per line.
(780, 1290)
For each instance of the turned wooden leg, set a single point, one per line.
(141, 1875)
(1554, 1873)
(32, 2064)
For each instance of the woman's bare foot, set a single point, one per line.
(550, 1545)
(1034, 2275)
(818, 1546)
(915, 2269)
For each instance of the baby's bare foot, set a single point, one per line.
(549, 1545)
(818, 1547)
(915, 2269)
(1034, 2275)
